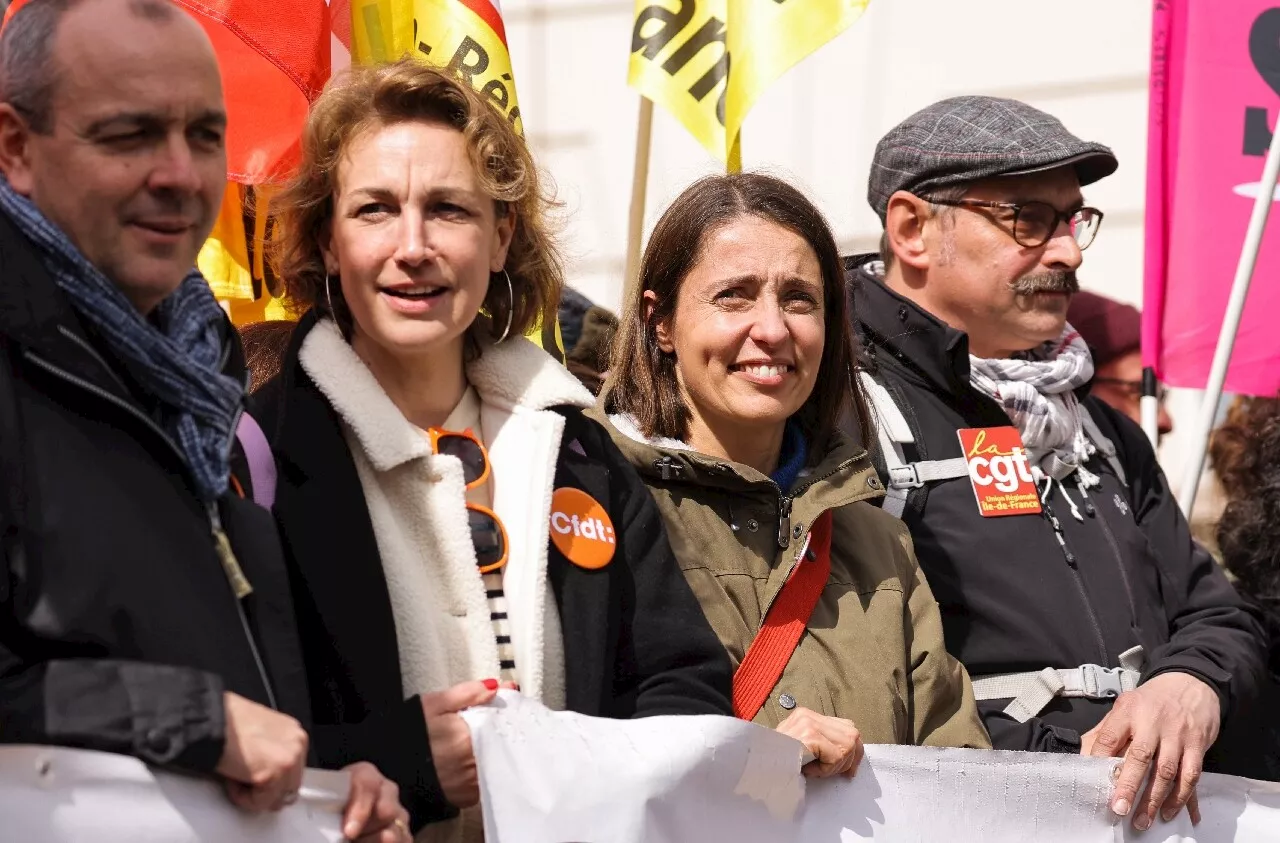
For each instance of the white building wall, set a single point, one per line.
(1086, 62)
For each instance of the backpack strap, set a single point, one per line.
(893, 432)
(784, 624)
(1031, 692)
(902, 477)
(262, 464)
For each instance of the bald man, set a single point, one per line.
(144, 603)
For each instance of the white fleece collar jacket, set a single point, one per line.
(416, 502)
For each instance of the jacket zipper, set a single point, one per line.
(1124, 575)
(784, 540)
(784, 521)
(1074, 565)
(669, 469)
(222, 544)
(785, 504)
(240, 586)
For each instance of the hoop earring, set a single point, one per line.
(328, 298)
(511, 296)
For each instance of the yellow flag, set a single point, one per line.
(465, 37)
(225, 263)
(224, 257)
(708, 61)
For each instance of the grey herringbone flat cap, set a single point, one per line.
(964, 139)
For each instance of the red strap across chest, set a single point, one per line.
(784, 624)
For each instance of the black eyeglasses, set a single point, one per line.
(1132, 388)
(1035, 222)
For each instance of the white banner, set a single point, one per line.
(55, 795)
(549, 777)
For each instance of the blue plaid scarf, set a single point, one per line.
(176, 356)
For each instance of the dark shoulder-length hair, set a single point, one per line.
(642, 377)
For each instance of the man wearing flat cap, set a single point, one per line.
(1069, 584)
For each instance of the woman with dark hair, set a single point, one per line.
(731, 372)
(452, 520)
(1245, 452)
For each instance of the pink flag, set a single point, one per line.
(1215, 77)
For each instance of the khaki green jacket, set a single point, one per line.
(873, 652)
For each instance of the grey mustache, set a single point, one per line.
(1047, 282)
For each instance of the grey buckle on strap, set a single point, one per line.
(914, 475)
(1030, 692)
(1098, 682)
(905, 477)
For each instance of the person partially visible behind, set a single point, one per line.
(144, 603)
(588, 360)
(570, 314)
(1113, 332)
(730, 374)
(1245, 453)
(264, 347)
(452, 519)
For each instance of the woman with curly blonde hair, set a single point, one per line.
(452, 521)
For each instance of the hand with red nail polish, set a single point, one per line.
(450, 739)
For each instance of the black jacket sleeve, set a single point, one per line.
(1214, 635)
(666, 643)
(395, 741)
(166, 716)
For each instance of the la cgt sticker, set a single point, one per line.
(999, 471)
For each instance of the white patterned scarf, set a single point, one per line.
(1037, 390)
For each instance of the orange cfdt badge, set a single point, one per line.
(581, 529)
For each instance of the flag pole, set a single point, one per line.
(1149, 406)
(639, 188)
(1231, 323)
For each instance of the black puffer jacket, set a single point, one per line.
(119, 630)
(1011, 599)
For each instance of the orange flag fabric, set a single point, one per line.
(275, 59)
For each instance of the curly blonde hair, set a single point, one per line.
(365, 98)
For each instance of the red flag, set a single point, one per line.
(275, 60)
